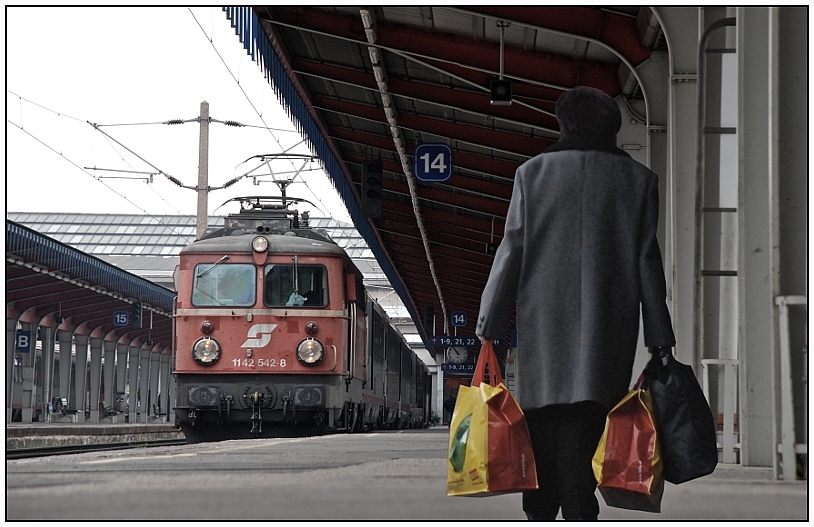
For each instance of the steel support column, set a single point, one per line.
(793, 196)
(681, 31)
(757, 207)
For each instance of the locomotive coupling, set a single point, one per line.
(257, 421)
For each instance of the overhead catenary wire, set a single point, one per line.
(61, 154)
(259, 113)
(91, 175)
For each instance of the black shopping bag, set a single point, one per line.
(684, 422)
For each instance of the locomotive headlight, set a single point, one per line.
(206, 351)
(310, 351)
(260, 244)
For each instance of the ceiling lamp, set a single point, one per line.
(500, 90)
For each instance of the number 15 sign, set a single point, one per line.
(432, 162)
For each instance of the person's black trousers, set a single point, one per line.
(564, 438)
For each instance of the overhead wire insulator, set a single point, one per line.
(174, 180)
(233, 123)
(174, 121)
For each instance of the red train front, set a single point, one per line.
(270, 329)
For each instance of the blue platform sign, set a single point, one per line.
(443, 341)
(23, 342)
(432, 162)
(121, 319)
(446, 340)
(459, 319)
(467, 368)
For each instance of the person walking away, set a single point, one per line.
(580, 258)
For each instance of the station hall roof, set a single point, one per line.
(375, 83)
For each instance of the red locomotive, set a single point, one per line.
(276, 335)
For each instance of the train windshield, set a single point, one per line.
(225, 284)
(296, 285)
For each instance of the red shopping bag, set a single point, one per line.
(627, 463)
(489, 444)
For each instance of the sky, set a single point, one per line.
(126, 69)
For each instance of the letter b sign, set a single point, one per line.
(23, 343)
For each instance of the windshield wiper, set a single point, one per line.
(204, 273)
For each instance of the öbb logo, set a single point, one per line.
(259, 336)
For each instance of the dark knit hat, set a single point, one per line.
(587, 112)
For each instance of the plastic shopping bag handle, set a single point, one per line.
(487, 357)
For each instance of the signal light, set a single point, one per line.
(372, 188)
(135, 317)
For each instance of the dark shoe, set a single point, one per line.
(535, 518)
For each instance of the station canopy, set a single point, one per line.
(387, 83)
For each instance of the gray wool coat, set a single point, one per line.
(580, 258)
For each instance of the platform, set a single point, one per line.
(69, 434)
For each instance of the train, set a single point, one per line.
(276, 335)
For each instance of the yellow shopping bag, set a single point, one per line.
(489, 445)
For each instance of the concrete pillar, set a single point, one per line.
(81, 375)
(48, 335)
(170, 392)
(29, 389)
(155, 363)
(164, 375)
(95, 377)
(758, 245)
(109, 373)
(121, 369)
(132, 379)
(11, 334)
(681, 31)
(65, 359)
(439, 384)
(143, 383)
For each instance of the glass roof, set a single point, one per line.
(134, 234)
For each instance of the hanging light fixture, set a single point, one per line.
(500, 90)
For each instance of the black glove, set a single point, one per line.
(659, 357)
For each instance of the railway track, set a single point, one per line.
(96, 447)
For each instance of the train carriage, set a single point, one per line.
(275, 334)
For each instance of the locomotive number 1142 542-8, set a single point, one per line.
(259, 363)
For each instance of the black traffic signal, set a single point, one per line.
(372, 188)
(135, 318)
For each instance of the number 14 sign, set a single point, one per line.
(432, 162)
